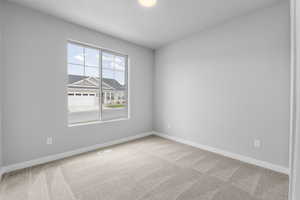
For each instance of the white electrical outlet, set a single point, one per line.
(257, 143)
(49, 140)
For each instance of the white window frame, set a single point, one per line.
(126, 81)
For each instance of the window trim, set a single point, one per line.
(126, 81)
(98, 122)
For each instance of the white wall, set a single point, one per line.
(229, 85)
(35, 75)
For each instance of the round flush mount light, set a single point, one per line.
(148, 3)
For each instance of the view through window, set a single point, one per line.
(91, 72)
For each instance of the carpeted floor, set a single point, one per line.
(151, 168)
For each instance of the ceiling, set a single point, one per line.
(154, 27)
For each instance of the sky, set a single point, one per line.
(85, 62)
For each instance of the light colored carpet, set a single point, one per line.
(151, 168)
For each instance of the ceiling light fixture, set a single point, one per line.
(148, 3)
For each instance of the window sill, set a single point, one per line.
(98, 122)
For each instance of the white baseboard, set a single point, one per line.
(47, 159)
(10, 168)
(235, 156)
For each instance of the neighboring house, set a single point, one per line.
(82, 86)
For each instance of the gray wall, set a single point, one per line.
(296, 139)
(1, 78)
(229, 85)
(35, 75)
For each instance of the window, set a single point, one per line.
(93, 71)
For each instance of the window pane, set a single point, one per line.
(114, 92)
(120, 63)
(106, 73)
(76, 69)
(92, 71)
(83, 85)
(92, 57)
(107, 60)
(120, 77)
(119, 67)
(75, 54)
(81, 106)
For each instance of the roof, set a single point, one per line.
(76, 81)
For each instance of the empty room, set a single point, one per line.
(149, 100)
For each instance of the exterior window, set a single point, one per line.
(92, 71)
